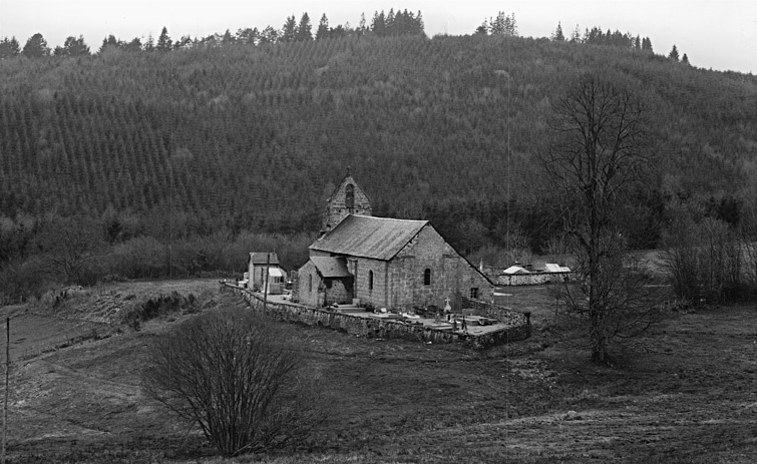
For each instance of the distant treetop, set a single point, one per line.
(501, 25)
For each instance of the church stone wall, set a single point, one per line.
(309, 285)
(450, 273)
(378, 295)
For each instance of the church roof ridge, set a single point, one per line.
(369, 236)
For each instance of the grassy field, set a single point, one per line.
(684, 392)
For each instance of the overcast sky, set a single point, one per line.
(717, 34)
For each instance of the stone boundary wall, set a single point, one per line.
(373, 327)
(502, 314)
(534, 278)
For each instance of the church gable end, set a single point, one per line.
(428, 269)
(348, 198)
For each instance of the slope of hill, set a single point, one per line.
(250, 138)
(539, 400)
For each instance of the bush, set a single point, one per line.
(704, 261)
(22, 279)
(236, 377)
(159, 306)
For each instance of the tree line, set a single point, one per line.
(401, 22)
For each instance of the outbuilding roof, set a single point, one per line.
(552, 267)
(369, 236)
(263, 258)
(330, 267)
(516, 270)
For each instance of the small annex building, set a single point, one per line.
(261, 264)
(327, 281)
(384, 263)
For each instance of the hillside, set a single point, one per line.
(534, 401)
(245, 138)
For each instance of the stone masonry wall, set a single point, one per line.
(337, 292)
(450, 273)
(336, 208)
(502, 314)
(534, 278)
(308, 283)
(369, 327)
(378, 296)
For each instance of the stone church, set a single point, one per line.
(382, 262)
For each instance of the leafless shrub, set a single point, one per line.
(748, 235)
(704, 260)
(236, 377)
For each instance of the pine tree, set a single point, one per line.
(150, 44)
(504, 25)
(685, 59)
(558, 35)
(673, 55)
(304, 30)
(289, 31)
(9, 48)
(269, 36)
(36, 47)
(512, 26)
(575, 36)
(362, 28)
(164, 41)
(73, 47)
(134, 46)
(227, 39)
(323, 28)
(378, 26)
(109, 41)
(248, 36)
(646, 44)
(419, 25)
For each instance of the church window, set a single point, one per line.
(474, 293)
(310, 282)
(427, 277)
(370, 280)
(349, 198)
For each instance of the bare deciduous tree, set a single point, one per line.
(704, 260)
(595, 157)
(237, 378)
(748, 234)
(71, 245)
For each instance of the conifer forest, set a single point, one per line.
(179, 157)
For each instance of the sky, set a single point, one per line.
(715, 34)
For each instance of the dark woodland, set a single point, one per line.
(176, 158)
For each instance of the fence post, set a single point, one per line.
(7, 371)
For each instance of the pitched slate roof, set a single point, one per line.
(331, 267)
(262, 258)
(369, 236)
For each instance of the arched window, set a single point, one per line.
(310, 282)
(370, 280)
(427, 277)
(349, 198)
